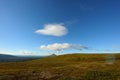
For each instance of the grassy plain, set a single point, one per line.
(64, 67)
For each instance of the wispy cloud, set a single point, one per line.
(26, 52)
(71, 22)
(62, 46)
(20, 52)
(53, 30)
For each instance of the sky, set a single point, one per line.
(43, 27)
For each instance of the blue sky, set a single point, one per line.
(92, 23)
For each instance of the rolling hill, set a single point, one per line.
(64, 67)
(12, 58)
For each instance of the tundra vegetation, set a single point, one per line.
(64, 67)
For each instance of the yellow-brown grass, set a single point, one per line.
(63, 67)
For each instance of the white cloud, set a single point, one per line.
(53, 30)
(63, 46)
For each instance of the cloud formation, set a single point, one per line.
(62, 46)
(53, 30)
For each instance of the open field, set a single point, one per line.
(64, 67)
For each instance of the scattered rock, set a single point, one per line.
(45, 75)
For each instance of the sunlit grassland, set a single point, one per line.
(64, 67)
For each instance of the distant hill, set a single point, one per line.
(3, 56)
(6, 57)
(12, 58)
(78, 58)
